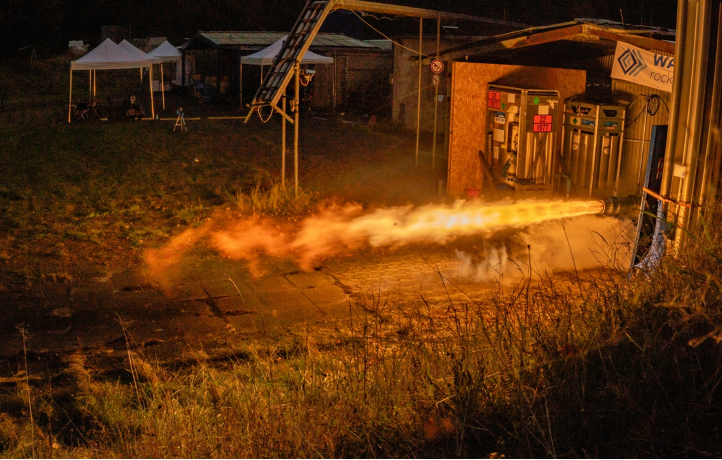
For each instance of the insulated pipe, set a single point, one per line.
(710, 174)
(676, 99)
(695, 117)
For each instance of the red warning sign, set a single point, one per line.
(437, 66)
(542, 124)
(494, 99)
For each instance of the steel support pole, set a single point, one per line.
(641, 150)
(418, 96)
(713, 157)
(297, 104)
(70, 102)
(283, 144)
(436, 93)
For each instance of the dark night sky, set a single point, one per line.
(49, 24)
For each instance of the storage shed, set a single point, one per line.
(574, 57)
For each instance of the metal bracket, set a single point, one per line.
(283, 114)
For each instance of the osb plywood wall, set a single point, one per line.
(469, 86)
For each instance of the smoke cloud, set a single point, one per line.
(581, 243)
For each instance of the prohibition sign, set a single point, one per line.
(437, 66)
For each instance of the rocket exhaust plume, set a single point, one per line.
(338, 228)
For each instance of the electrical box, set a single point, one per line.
(592, 139)
(521, 133)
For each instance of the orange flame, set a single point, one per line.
(346, 227)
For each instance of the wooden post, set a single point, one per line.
(70, 103)
(152, 105)
(436, 93)
(418, 96)
(283, 143)
(162, 86)
(297, 100)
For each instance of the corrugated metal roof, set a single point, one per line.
(603, 34)
(229, 38)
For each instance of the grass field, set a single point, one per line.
(595, 366)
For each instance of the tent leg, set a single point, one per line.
(162, 86)
(70, 102)
(240, 86)
(90, 82)
(418, 97)
(152, 105)
(297, 103)
(94, 80)
(283, 143)
(141, 75)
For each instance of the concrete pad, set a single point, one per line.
(310, 279)
(327, 297)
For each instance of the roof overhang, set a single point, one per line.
(589, 38)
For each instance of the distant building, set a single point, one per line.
(77, 47)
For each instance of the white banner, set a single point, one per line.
(643, 67)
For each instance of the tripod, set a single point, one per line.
(180, 121)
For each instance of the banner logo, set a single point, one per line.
(631, 62)
(643, 67)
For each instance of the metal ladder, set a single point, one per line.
(294, 47)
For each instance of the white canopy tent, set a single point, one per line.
(266, 56)
(109, 56)
(135, 52)
(166, 53)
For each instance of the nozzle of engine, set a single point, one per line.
(614, 206)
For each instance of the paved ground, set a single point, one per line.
(213, 294)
